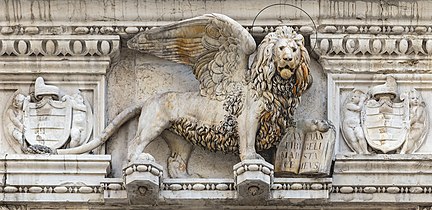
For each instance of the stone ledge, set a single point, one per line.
(53, 178)
(197, 188)
(114, 190)
(53, 170)
(399, 198)
(43, 198)
(54, 65)
(385, 164)
(392, 178)
(312, 189)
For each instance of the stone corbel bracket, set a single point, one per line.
(374, 53)
(58, 53)
(253, 179)
(142, 182)
(253, 184)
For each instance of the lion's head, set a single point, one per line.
(281, 54)
(279, 75)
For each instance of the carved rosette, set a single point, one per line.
(384, 121)
(45, 120)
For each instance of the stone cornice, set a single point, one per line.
(129, 17)
(126, 31)
(374, 53)
(49, 45)
(54, 53)
(64, 12)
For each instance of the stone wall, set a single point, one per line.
(381, 49)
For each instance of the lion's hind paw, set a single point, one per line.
(141, 157)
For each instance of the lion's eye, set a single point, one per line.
(294, 49)
(281, 47)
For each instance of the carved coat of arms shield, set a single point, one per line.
(385, 124)
(48, 122)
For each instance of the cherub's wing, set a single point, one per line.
(216, 47)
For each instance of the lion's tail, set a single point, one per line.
(118, 121)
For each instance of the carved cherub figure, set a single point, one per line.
(418, 117)
(351, 127)
(79, 119)
(16, 113)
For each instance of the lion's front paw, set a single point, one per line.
(252, 156)
(142, 156)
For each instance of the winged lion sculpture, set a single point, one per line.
(238, 109)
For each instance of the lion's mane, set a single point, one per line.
(280, 96)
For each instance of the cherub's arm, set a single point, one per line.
(418, 116)
(15, 120)
(362, 100)
(353, 107)
(357, 107)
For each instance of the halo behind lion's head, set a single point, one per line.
(267, 63)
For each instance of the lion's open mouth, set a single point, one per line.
(285, 72)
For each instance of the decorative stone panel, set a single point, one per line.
(72, 63)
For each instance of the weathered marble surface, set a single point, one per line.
(133, 83)
(134, 12)
(397, 178)
(358, 45)
(138, 76)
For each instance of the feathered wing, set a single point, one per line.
(215, 46)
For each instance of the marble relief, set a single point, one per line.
(45, 119)
(306, 149)
(75, 76)
(237, 109)
(384, 120)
